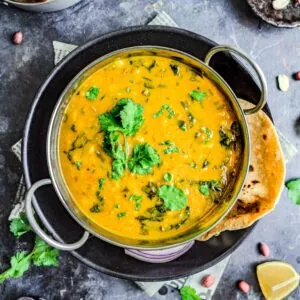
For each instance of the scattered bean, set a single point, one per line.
(244, 286)
(297, 74)
(17, 38)
(264, 249)
(208, 280)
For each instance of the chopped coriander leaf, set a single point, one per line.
(99, 198)
(182, 125)
(188, 293)
(175, 69)
(121, 215)
(43, 254)
(174, 198)
(19, 226)
(208, 133)
(148, 84)
(73, 128)
(78, 164)
(168, 177)
(151, 66)
(204, 189)
(150, 189)
(126, 117)
(293, 187)
(144, 157)
(95, 208)
(205, 163)
(101, 182)
(117, 205)
(19, 264)
(171, 149)
(128, 89)
(165, 107)
(138, 200)
(92, 93)
(229, 138)
(197, 95)
(192, 119)
(193, 165)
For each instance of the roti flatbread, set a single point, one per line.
(265, 178)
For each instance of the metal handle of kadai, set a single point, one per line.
(36, 227)
(254, 65)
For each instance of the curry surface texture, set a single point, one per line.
(186, 138)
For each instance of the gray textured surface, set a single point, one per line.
(23, 68)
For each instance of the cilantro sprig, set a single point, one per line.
(293, 187)
(92, 93)
(41, 255)
(165, 107)
(188, 293)
(174, 198)
(197, 95)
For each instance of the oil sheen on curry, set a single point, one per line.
(148, 146)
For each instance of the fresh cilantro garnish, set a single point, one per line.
(165, 107)
(138, 201)
(115, 150)
(197, 95)
(188, 293)
(208, 133)
(19, 264)
(92, 93)
(19, 226)
(205, 163)
(204, 189)
(121, 215)
(101, 182)
(293, 187)
(174, 198)
(168, 177)
(193, 165)
(143, 159)
(41, 255)
(182, 125)
(95, 208)
(175, 69)
(125, 117)
(77, 164)
(229, 138)
(206, 186)
(117, 205)
(192, 119)
(171, 149)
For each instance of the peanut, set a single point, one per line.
(264, 249)
(17, 38)
(208, 280)
(244, 286)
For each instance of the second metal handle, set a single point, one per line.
(254, 65)
(36, 227)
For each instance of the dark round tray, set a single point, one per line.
(96, 253)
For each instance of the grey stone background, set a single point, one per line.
(23, 69)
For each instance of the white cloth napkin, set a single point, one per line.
(60, 51)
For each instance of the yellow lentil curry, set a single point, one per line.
(148, 146)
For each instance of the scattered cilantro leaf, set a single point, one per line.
(77, 164)
(117, 205)
(121, 215)
(208, 133)
(174, 198)
(175, 69)
(138, 201)
(197, 95)
(182, 125)
(204, 189)
(193, 165)
(205, 163)
(92, 93)
(188, 293)
(43, 254)
(293, 187)
(143, 159)
(229, 138)
(19, 264)
(168, 177)
(101, 182)
(171, 149)
(165, 107)
(95, 208)
(126, 117)
(19, 226)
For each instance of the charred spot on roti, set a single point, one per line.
(251, 169)
(255, 181)
(264, 136)
(244, 208)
